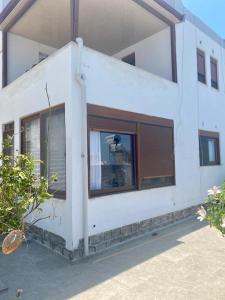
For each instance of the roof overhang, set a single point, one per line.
(17, 8)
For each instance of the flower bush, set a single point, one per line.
(214, 209)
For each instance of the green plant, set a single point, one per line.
(22, 190)
(214, 209)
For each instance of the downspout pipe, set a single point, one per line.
(81, 81)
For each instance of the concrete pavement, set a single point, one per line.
(185, 261)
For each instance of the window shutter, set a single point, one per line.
(156, 156)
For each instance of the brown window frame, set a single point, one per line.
(203, 157)
(41, 115)
(214, 83)
(102, 119)
(201, 76)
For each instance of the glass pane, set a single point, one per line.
(8, 132)
(32, 141)
(212, 150)
(111, 160)
(201, 63)
(56, 150)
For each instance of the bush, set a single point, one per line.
(214, 209)
(22, 191)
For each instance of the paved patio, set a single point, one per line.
(186, 261)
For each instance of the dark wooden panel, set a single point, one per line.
(156, 151)
(210, 134)
(101, 111)
(111, 125)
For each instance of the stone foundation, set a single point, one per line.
(105, 240)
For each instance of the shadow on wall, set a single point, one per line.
(43, 275)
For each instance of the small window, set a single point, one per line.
(111, 161)
(42, 56)
(8, 132)
(201, 66)
(130, 59)
(209, 148)
(43, 136)
(214, 73)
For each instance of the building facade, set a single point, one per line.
(136, 91)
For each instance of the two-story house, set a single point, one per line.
(136, 133)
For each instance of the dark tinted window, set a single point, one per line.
(209, 150)
(201, 66)
(214, 73)
(130, 59)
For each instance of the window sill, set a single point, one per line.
(97, 194)
(105, 194)
(58, 195)
(213, 165)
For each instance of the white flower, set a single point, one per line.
(215, 190)
(223, 223)
(201, 214)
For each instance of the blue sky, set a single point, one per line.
(209, 11)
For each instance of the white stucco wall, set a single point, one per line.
(115, 84)
(190, 104)
(153, 54)
(23, 54)
(25, 96)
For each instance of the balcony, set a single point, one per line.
(129, 30)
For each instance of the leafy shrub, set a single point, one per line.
(22, 190)
(214, 209)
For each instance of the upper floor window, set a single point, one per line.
(43, 136)
(214, 73)
(130, 59)
(209, 148)
(201, 66)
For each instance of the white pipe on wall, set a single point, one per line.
(81, 82)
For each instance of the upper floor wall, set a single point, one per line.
(146, 29)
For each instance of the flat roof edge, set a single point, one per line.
(8, 9)
(170, 9)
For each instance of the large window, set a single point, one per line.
(43, 136)
(128, 151)
(201, 66)
(8, 132)
(209, 148)
(214, 73)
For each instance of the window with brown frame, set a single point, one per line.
(8, 132)
(128, 151)
(201, 66)
(214, 73)
(209, 148)
(43, 136)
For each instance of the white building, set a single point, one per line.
(137, 131)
